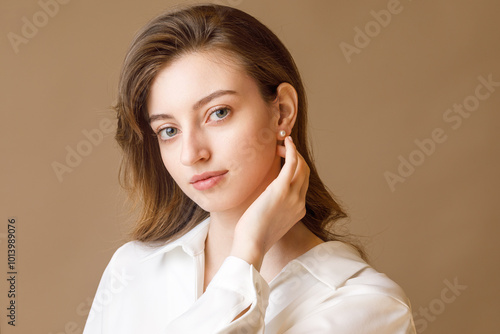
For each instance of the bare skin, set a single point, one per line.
(267, 235)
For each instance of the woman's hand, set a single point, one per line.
(275, 211)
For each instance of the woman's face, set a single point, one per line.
(216, 134)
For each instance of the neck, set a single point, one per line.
(294, 243)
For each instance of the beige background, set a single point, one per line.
(440, 225)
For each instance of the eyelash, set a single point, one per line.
(158, 133)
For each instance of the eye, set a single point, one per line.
(219, 114)
(167, 133)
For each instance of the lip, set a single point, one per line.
(207, 180)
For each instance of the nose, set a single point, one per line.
(194, 148)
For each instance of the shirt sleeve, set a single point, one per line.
(235, 287)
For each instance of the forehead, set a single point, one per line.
(194, 76)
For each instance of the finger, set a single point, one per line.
(281, 151)
(288, 171)
(305, 184)
(300, 181)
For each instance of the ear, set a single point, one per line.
(287, 104)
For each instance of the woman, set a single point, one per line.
(235, 232)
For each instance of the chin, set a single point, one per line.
(220, 200)
(215, 203)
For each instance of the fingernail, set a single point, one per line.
(290, 137)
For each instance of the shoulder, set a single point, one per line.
(132, 252)
(349, 280)
(349, 294)
(338, 265)
(137, 253)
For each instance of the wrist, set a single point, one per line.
(248, 251)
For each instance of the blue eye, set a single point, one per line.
(167, 133)
(219, 114)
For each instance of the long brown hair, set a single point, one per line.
(167, 213)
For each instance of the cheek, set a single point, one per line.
(171, 163)
(254, 150)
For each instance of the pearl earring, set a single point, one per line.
(282, 133)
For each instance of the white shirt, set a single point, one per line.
(329, 289)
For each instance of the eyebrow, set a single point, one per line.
(197, 105)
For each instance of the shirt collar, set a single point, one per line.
(192, 243)
(332, 262)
